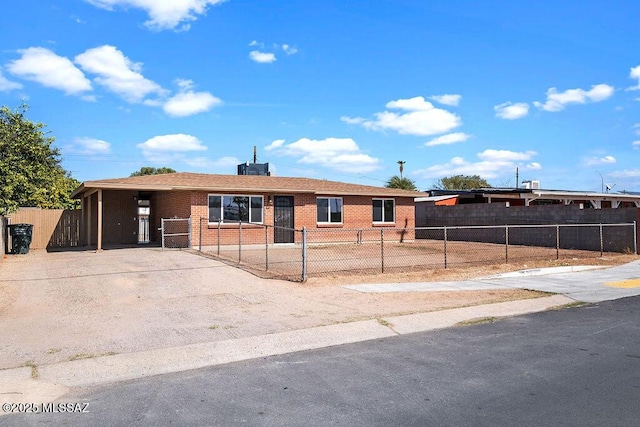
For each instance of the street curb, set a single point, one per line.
(129, 366)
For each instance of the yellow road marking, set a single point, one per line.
(627, 284)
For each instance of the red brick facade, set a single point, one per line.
(357, 214)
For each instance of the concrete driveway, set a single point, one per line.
(62, 306)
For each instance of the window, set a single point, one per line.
(384, 210)
(232, 208)
(329, 210)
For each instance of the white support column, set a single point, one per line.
(615, 204)
(597, 204)
(99, 242)
(87, 200)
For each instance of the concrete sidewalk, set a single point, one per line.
(580, 283)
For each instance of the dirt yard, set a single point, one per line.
(69, 305)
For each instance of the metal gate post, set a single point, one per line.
(635, 237)
(189, 239)
(266, 248)
(200, 238)
(219, 222)
(382, 248)
(162, 231)
(445, 246)
(304, 254)
(506, 244)
(557, 241)
(601, 242)
(240, 241)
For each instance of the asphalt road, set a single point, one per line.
(577, 366)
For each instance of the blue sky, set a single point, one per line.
(334, 89)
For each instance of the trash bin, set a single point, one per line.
(20, 238)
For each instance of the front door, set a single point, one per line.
(283, 219)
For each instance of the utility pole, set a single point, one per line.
(601, 182)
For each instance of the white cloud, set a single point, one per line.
(173, 142)
(88, 146)
(558, 101)
(254, 43)
(275, 144)
(491, 164)
(534, 166)
(262, 57)
(636, 128)
(421, 118)
(187, 102)
(635, 74)
(45, 67)
(450, 138)
(170, 148)
(7, 85)
(289, 50)
(118, 73)
(511, 111)
(163, 14)
(223, 163)
(606, 160)
(506, 155)
(452, 100)
(353, 120)
(342, 154)
(636, 144)
(627, 173)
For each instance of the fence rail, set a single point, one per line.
(379, 250)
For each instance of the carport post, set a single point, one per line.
(635, 237)
(99, 240)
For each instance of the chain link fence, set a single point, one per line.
(328, 251)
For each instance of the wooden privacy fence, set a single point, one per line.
(52, 228)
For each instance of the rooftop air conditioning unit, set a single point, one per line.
(531, 185)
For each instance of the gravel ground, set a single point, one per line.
(68, 305)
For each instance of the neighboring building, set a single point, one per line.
(531, 197)
(116, 210)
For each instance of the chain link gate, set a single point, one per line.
(176, 233)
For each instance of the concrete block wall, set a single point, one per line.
(616, 239)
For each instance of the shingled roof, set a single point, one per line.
(183, 181)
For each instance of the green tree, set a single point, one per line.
(461, 182)
(30, 171)
(402, 183)
(148, 170)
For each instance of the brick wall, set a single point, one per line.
(168, 204)
(616, 239)
(357, 213)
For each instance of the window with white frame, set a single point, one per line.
(329, 210)
(384, 210)
(233, 208)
